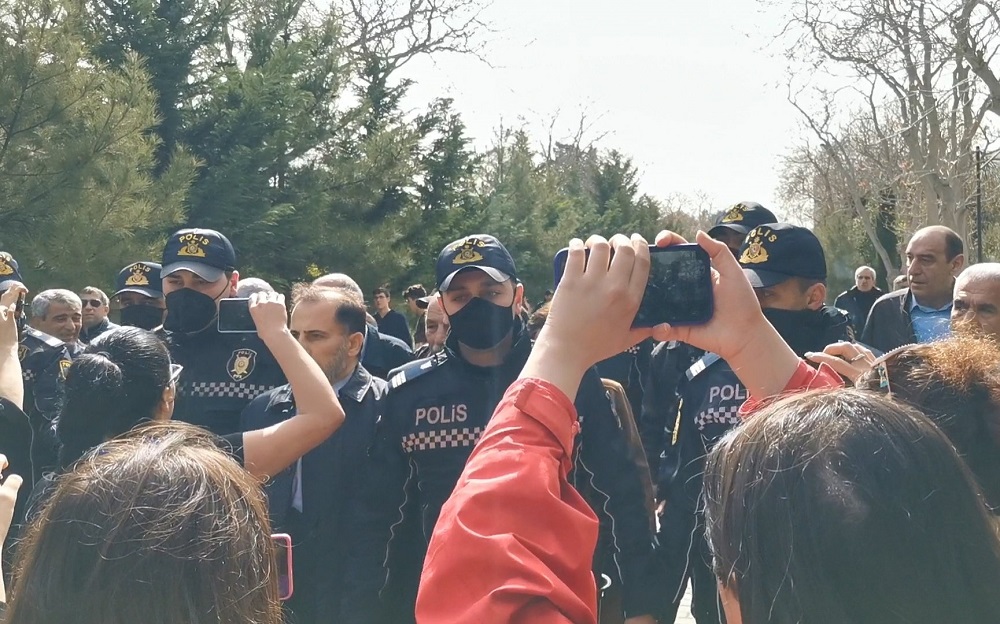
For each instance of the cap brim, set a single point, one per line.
(739, 229)
(149, 292)
(765, 279)
(497, 276)
(205, 272)
(423, 302)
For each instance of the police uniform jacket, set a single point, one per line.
(44, 362)
(329, 482)
(382, 353)
(222, 374)
(434, 413)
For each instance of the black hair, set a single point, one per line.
(953, 245)
(350, 311)
(845, 506)
(381, 290)
(415, 291)
(116, 383)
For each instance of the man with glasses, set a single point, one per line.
(140, 295)
(96, 307)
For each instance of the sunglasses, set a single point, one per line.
(94, 303)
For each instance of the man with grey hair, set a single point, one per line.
(380, 353)
(250, 285)
(976, 303)
(858, 301)
(59, 313)
(96, 307)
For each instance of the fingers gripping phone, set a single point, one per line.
(679, 288)
(283, 558)
(234, 317)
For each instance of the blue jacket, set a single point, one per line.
(330, 482)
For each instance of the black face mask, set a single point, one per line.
(481, 324)
(803, 330)
(142, 316)
(189, 311)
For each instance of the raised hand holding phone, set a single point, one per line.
(269, 313)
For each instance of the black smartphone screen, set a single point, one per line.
(234, 317)
(679, 289)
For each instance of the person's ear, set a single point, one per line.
(518, 297)
(165, 410)
(957, 264)
(816, 296)
(355, 342)
(233, 281)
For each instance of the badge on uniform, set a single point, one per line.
(22, 352)
(241, 364)
(64, 367)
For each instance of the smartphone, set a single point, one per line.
(234, 317)
(679, 289)
(283, 557)
(19, 317)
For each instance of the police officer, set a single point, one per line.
(222, 371)
(139, 291)
(787, 268)
(435, 411)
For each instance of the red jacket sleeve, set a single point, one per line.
(514, 542)
(804, 378)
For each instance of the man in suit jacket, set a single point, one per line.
(312, 498)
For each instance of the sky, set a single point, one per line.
(692, 90)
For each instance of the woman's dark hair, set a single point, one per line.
(157, 526)
(956, 383)
(116, 383)
(846, 507)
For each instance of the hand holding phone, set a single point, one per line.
(679, 288)
(262, 313)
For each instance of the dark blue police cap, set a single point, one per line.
(9, 271)
(775, 252)
(477, 251)
(206, 253)
(140, 277)
(742, 217)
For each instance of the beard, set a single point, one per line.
(337, 368)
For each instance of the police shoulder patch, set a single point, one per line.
(415, 369)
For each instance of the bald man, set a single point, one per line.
(921, 312)
(977, 300)
(380, 353)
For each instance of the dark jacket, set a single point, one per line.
(330, 489)
(628, 368)
(394, 324)
(889, 324)
(86, 335)
(222, 374)
(857, 304)
(434, 413)
(44, 362)
(382, 353)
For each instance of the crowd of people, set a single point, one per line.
(496, 461)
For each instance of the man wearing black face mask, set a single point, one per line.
(435, 411)
(787, 267)
(139, 292)
(222, 372)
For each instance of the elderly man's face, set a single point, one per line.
(977, 306)
(436, 325)
(63, 321)
(865, 281)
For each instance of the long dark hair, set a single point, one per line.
(157, 526)
(116, 383)
(846, 507)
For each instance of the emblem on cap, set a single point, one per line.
(755, 252)
(5, 268)
(192, 245)
(138, 277)
(735, 214)
(242, 363)
(467, 251)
